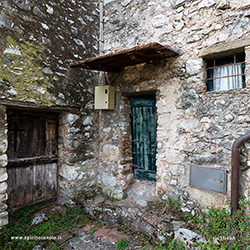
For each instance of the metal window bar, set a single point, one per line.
(216, 67)
(225, 76)
(234, 71)
(220, 66)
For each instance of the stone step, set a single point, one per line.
(141, 218)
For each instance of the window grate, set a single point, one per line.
(226, 72)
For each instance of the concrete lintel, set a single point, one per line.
(225, 48)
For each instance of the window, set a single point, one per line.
(31, 137)
(226, 72)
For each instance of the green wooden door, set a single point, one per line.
(144, 124)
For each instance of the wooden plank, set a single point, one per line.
(140, 138)
(145, 136)
(23, 162)
(19, 186)
(33, 107)
(50, 181)
(51, 137)
(144, 122)
(11, 182)
(31, 184)
(38, 183)
(32, 135)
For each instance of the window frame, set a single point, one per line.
(234, 76)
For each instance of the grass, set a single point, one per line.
(121, 244)
(220, 230)
(20, 234)
(169, 244)
(216, 226)
(223, 231)
(148, 243)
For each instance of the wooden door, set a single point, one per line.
(144, 125)
(32, 158)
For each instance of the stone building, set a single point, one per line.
(180, 71)
(48, 131)
(175, 119)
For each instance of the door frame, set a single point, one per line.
(151, 93)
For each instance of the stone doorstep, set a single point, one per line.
(141, 219)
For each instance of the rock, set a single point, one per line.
(146, 229)
(185, 210)
(206, 4)
(3, 176)
(141, 203)
(194, 66)
(188, 236)
(3, 160)
(38, 12)
(3, 187)
(177, 3)
(203, 159)
(13, 50)
(189, 148)
(5, 21)
(23, 4)
(99, 199)
(158, 21)
(165, 225)
(223, 5)
(37, 247)
(3, 146)
(125, 3)
(38, 218)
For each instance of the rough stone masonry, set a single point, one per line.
(38, 41)
(194, 126)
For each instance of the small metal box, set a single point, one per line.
(207, 178)
(105, 97)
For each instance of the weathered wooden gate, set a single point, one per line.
(32, 158)
(144, 125)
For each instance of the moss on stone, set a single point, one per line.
(107, 191)
(24, 71)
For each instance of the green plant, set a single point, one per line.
(20, 234)
(121, 244)
(92, 231)
(124, 197)
(117, 226)
(169, 244)
(218, 225)
(211, 246)
(175, 204)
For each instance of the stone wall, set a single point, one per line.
(78, 163)
(38, 41)
(194, 126)
(3, 164)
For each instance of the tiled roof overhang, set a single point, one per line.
(116, 61)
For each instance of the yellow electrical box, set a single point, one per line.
(105, 97)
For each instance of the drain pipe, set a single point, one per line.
(101, 42)
(235, 194)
